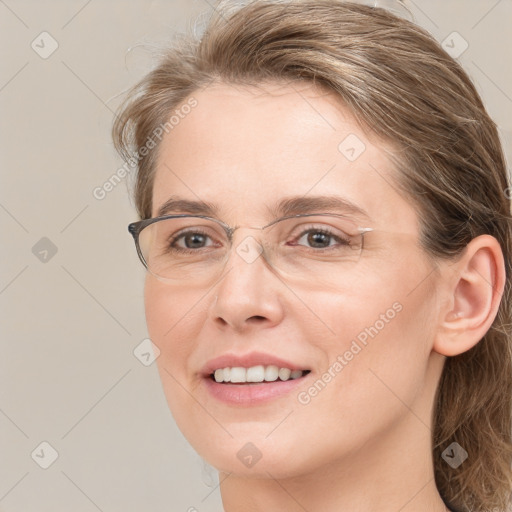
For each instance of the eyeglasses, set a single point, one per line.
(317, 248)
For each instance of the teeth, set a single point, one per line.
(258, 373)
(238, 374)
(255, 374)
(284, 373)
(272, 373)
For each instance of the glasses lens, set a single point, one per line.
(183, 248)
(316, 249)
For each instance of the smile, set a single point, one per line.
(254, 374)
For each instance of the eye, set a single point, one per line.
(192, 239)
(321, 238)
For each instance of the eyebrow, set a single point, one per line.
(286, 206)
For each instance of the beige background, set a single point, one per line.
(70, 323)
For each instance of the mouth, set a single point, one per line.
(254, 386)
(252, 379)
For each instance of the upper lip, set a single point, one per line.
(248, 360)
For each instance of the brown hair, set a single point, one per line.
(399, 83)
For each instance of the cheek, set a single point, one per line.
(173, 317)
(382, 336)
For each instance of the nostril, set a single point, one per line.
(257, 317)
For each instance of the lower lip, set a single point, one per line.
(254, 393)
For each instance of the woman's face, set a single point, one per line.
(365, 333)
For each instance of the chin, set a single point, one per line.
(251, 452)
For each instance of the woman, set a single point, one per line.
(325, 223)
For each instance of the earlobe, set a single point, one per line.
(475, 290)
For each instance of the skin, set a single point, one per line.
(364, 442)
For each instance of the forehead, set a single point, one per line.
(244, 148)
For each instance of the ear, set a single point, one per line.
(474, 290)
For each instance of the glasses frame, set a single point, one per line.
(135, 228)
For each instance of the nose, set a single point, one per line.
(249, 293)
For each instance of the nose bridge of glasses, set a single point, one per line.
(251, 242)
